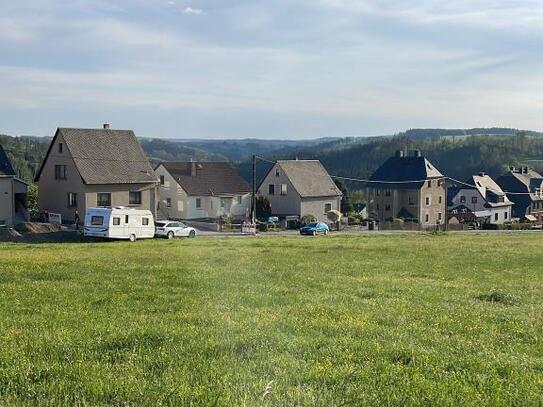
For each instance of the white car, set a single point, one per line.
(173, 228)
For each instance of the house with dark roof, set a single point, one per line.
(524, 186)
(86, 168)
(296, 188)
(485, 199)
(202, 191)
(13, 194)
(408, 187)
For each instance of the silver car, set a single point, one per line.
(172, 228)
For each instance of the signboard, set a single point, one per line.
(55, 218)
(248, 228)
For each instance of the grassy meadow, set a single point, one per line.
(415, 319)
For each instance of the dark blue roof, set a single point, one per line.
(5, 164)
(397, 172)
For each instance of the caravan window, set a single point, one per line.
(145, 221)
(125, 218)
(116, 221)
(97, 220)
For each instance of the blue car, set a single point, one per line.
(314, 229)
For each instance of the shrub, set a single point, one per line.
(308, 219)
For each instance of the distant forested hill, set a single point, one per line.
(457, 153)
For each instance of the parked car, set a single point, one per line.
(315, 228)
(172, 228)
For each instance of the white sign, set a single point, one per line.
(55, 218)
(248, 228)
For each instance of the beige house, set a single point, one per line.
(12, 194)
(202, 191)
(87, 168)
(409, 188)
(296, 188)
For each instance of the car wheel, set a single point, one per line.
(325, 232)
(314, 233)
(192, 234)
(132, 237)
(170, 235)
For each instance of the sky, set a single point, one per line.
(270, 69)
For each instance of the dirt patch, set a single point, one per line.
(32, 232)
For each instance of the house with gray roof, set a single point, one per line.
(524, 187)
(408, 187)
(202, 191)
(296, 188)
(483, 197)
(95, 168)
(13, 194)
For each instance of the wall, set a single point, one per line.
(6, 200)
(53, 194)
(315, 206)
(281, 205)
(120, 196)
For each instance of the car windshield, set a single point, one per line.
(312, 225)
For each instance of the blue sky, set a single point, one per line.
(269, 69)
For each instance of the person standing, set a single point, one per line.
(77, 219)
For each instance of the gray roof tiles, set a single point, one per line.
(309, 178)
(211, 178)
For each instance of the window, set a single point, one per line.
(378, 207)
(429, 183)
(427, 218)
(198, 203)
(168, 202)
(439, 182)
(277, 172)
(496, 216)
(145, 221)
(60, 148)
(378, 192)
(103, 199)
(72, 200)
(327, 207)
(439, 215)
(387, 207)
(60, 172)
(427, 201)
(125, 218)
(411, 201)
(223, 202)
(162, 180)
(387, 192)
(240, 200)
(505, 215)
(271, 189)
(283, 189)
(462, 199)
(474, 199)
(116, 221)
(440, 199)
(134, 198)
(97, 220)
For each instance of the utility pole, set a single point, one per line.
(253, 197)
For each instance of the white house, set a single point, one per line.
(13, 194)
(486, 200)
(202, 191)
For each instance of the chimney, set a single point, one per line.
(525, 170)
(192, 168)
(415, 153)
(482, 174)
(399, 153)
(107, 126)
(512, 169)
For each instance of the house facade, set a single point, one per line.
(408, 187)
(485, 200)
(296, 188)
(86, 168)
(202, 191)
(524, 187)
(13, 194)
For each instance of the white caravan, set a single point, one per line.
(119, 223)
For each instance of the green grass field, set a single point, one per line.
(413, 319)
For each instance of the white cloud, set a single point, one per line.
(190, 10)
